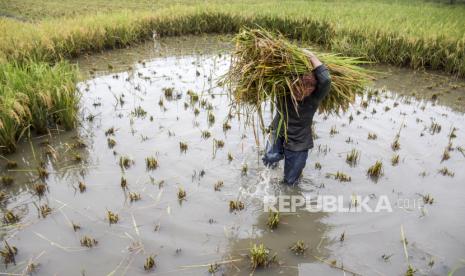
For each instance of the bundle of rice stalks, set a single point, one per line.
(266, 67)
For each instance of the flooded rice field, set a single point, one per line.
(145, 184)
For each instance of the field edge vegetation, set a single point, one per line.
(37, 87)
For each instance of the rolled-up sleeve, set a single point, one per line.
(323, 83)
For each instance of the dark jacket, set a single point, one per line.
(299, 123)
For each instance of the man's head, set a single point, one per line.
(305, 86)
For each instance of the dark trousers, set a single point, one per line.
(294, 161)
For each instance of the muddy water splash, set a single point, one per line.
(136, 105)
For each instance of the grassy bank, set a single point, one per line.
(415, 34)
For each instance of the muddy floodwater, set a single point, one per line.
(154, 122)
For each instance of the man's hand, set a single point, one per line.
(313, 59)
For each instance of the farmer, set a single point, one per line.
(310, 90)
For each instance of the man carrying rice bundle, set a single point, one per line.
(311, 89)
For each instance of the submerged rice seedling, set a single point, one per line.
(434, 128)
(183, 146)
(342, 177)
(82, 187)
(445, 155)
(133, 196)
(211, 118)
(299, 247)
(372, 136)
(139, 112)
(218, 185)
(6, 180)
(395, 144)
(45, 210)
(111, 143)
(427, 199)
(273, 220)
(151, 163)
(149, 263)
(218, 144)
(235, 205)
(125, 162)
(194, 97)
(244, 169)
(87, 241)
(8, 254)
(376, 170)
(265, 68)
(168, 91)
(9, 217)
(259, 256)
(395, 160)
(112, 217)
(40, 189)
(226, 126)
(110, 131)
(213, 268)
(353, 157)
(206, 134)
(317, 166)
(230, 157)
(181, 194)
(11, 165)
(123, 183)
(446, 172)
(333, 131)
(42, 172)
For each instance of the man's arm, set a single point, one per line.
(322, 75)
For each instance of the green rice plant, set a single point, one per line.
(273, 220)
(376, 170)
(260, 256)
(299, 247)
(35, 95)
(353, 157)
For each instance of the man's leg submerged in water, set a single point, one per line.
(294, 164)
(294, 160)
